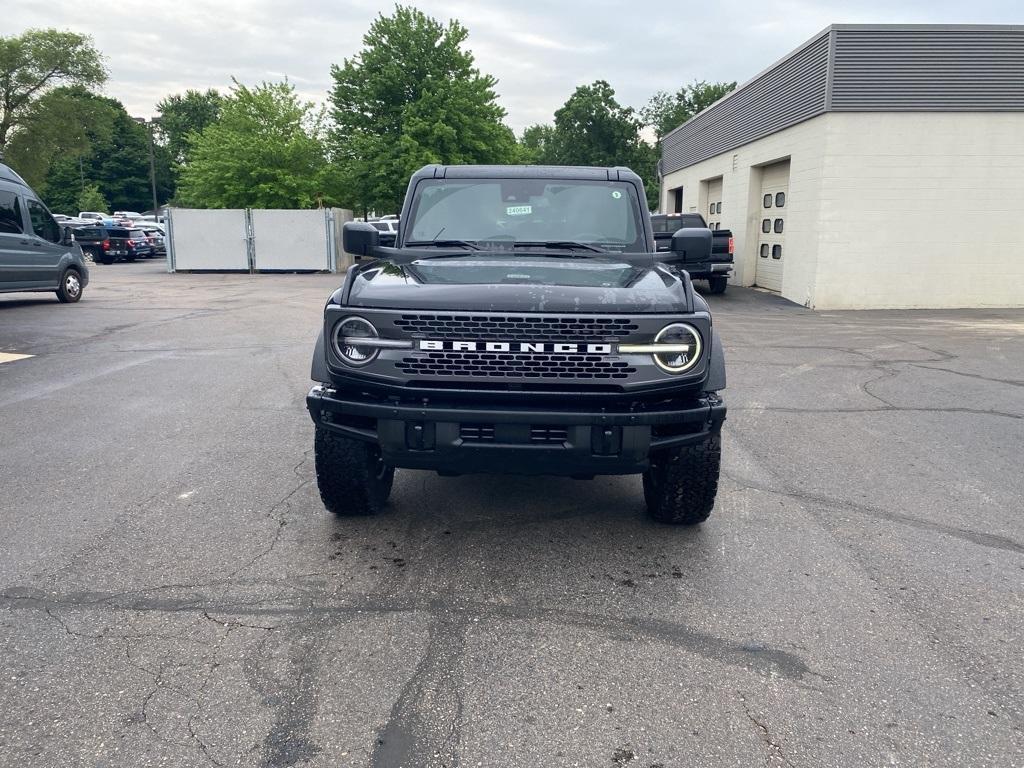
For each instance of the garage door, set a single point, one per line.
(714, 213)
(771, 245)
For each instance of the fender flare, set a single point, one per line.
(318, 370)
(716, 364)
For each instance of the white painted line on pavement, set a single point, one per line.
(10, 357)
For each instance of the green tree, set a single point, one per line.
(91, 199)
(37, 61)
(185, 115)
(266, 150)
(411, 96)
(63, 123)
(592, 128)
(666, 111)
(534, 144)
(117, 162)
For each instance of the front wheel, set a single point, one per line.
(70, 289)
(351, 474)
(681, 485)
(717, 284)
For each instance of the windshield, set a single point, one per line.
(600, 213)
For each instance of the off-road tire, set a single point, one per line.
(717, 284)
(70, 289)
(350, 474)
(681, 484)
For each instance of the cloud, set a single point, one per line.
(539, 50)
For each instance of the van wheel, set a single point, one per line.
(106, 259)
(681, 485)
(351, 474)
(70, 289)
(717, 284)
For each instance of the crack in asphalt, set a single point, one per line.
(982, 539)
(772, 746)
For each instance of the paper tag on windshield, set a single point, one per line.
(519, 210)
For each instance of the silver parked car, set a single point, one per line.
(36, 253)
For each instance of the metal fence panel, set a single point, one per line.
(290, 240)
(202, 239)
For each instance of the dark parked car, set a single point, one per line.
(93, 240)
(155, 235)
(523, 324)
(127, 244)
(36, 253)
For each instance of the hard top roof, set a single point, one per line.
(7, 174)
(567, 172)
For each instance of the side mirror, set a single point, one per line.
(691, 245)
(359, 238)
(67, 236)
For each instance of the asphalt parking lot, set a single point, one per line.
(172, 592)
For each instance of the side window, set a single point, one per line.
(766, 225)
(767, 201)
(42, 222)
(780, 199)
(10, 214)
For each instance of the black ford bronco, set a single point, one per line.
(523, 323)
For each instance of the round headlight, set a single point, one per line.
(684, 350)
(347, 334)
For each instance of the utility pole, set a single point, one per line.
(152, 159)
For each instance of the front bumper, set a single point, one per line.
(517, 440)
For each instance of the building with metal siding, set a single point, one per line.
(878, 137)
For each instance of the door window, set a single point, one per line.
(11, 222)
(43, 223)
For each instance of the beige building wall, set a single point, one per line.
(803, 145)
(886, 210)
(922, 210)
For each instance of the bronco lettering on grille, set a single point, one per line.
(539, 347)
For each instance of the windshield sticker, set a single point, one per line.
(519, 210)
(616, 194)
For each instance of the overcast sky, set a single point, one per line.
(539, 50)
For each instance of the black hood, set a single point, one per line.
(523, 283)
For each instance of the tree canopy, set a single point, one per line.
(115, 160)
(184, 115)
(666, 111)
(37, 61)
(265, 150)
(410, 97)
(592, 128)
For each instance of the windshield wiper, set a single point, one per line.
(443, 244)
(559, 244)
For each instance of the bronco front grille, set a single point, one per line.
(514, 365)
(516, 327)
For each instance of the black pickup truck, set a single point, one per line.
(522, 324)
(716, 270)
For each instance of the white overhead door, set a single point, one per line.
(771, 244)
(714, 211)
